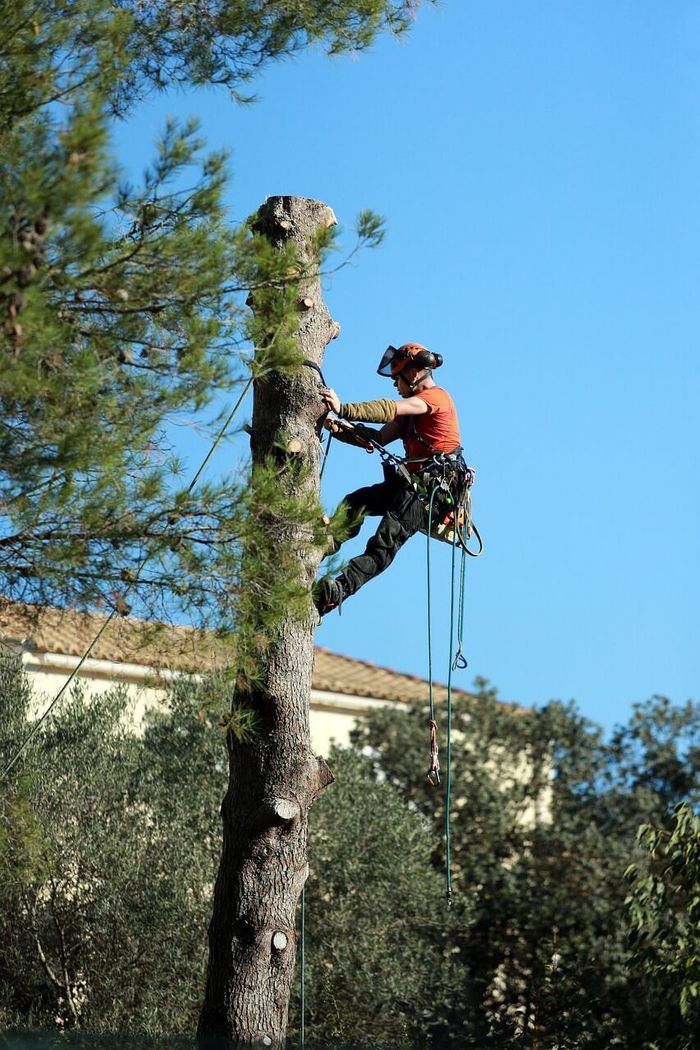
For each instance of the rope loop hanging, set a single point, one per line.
(460, 661)
(433, 773)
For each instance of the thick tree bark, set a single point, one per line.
(274, 776)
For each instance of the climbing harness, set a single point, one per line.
(447, 478)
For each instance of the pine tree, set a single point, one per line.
(122, 306)
(274, 776)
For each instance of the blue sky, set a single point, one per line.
(538, 166)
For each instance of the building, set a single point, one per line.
(145, 656)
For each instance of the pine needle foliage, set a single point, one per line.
(228, 41)
(122, 305)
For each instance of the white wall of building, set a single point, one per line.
(332, 715)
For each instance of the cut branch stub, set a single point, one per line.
(294, 447)
(279, 940)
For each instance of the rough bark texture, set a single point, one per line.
(274, 776)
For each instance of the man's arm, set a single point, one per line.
(384, 410)
(389, 432)
(411, 406)
(352, 434)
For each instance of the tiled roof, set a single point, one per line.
(128, 640)
(343, 674)
(125, 639)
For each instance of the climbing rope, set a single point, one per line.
(317, 369)
(37, 725)
(462, 530)
(130, 585)
(302, 1006)
(459, 661)
(433, 773)
(220, 435)
(325, 455)
(448, 785)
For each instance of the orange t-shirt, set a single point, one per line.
(438, 426)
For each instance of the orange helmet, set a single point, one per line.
(415, 354)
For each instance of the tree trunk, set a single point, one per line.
(273, 775)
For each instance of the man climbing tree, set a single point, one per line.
(425, 419)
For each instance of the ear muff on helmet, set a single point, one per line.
(426, 359)
(414, 354)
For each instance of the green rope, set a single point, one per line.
(430, 635)
(303, 969)
(37, 725)
(448, 787)
(460, 661)
(453, 664)
(220, 435)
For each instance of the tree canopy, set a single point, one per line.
(122, 305)
(228, 41)
(109, 842)
(568, 928)
(545, 817)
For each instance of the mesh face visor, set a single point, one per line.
(387, 361)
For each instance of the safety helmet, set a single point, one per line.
(414, 354)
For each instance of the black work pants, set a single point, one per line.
(402, 514)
